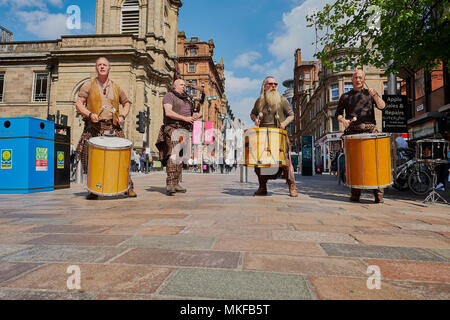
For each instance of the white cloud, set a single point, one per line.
(236, 86)
(47, 25)
(44, 24)
(246, 59)
(294, 34)
(31, 3)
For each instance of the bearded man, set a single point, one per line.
(272, 110)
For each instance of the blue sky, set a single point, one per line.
(255, 38)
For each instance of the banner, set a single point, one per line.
(209, 132)
(197, 133)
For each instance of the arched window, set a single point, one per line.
(129, 23)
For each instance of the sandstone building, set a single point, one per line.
(139, 37)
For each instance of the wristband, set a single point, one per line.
(89, 116)
(122, 116)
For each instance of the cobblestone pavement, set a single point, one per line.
(218, 241)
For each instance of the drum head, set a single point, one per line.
(363, 136)
(110, 142)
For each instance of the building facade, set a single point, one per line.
(428, 95)
(196, 65)
(139, 38)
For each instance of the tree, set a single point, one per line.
(412, 34)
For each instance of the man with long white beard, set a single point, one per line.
(272, 110)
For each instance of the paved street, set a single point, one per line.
(218, 241)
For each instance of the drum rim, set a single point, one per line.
(107, 194)
(108, 147)
(362, 136)
(369, 188)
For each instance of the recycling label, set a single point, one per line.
(41, 159)
(6, 159)
(60, 160)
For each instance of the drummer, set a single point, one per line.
(358, 105)
(98, 102)
(272, 110)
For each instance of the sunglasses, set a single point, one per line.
(272, 84)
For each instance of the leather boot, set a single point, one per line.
(170, 190)
(356, 193)
(293, 190)
(180, 189)
(132, 193)
(262, 190)
(378, 196)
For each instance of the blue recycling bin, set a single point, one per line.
(27, 155)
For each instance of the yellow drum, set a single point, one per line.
(368, 160)
(265, 147)
(109, 165)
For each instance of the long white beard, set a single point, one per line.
(273, 99)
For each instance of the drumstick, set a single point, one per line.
(103, 109)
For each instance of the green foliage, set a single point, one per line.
(414, 34)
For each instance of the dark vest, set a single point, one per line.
(176, 107)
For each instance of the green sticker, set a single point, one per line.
(41, 159)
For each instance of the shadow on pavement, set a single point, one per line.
(157, 189)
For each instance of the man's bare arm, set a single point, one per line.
(175, 116)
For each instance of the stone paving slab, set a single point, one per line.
(394, 241)
(323, 228)
(442, 252)
(78, 240)
(170, 242)
(7, 249)
(39, 221)
(95, 278)
(64, 254)
(380, 252)
(9, 294)
(312, 236)
(14, 229)
(9, 270)
(180, 258)
(328, 288)
(320, 266)
(17, 238)
(68, 229)
(423, 290)
(145, 230)
(424, 226)
(233, 285)
(413, 270)
(395, 231)
(269, 246)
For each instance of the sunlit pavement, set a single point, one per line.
(218, 241)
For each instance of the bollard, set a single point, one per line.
(79, 177)
(243, 174)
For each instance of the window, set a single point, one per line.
(191, 91)
(191, 67)
(2, 85)
(193, 52)
(130, 17)
(307, 76)
(348, 86)
(334, 92)
(40, 87)
(334, 124)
